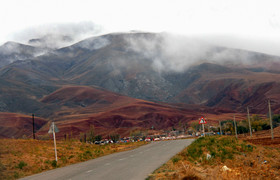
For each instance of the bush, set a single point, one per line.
(175, 159)
(87, 154)
(54, 163)
(47, 161)
(16, 174)
(63, 159)
(98, 138)
(21, 164)
(2, 167)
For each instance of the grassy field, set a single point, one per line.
(222, 158)
(19, 158)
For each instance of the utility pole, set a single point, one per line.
(270, 118)
(54, 141)
(220, 128)
(52, 130)
(249, 122)
(33, 126)
(235, 126)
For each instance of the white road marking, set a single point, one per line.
(122, 159)
(107, 164)
(89, 171)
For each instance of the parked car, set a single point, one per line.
(147, 139)
(97, 142)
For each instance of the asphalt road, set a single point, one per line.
(134, 164)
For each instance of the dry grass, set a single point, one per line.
(19, 158)
(242, 161)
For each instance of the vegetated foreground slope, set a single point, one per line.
(221, 158)
(23, 157)
(142, 66)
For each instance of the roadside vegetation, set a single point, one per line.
(22, 157)
(258, 123)
(221, 158)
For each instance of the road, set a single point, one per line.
(134, 164)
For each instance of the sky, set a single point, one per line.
(245, 24)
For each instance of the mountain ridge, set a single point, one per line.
(138, 68)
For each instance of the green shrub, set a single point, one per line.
(47, 161)
(21, 164)
(54, 163)
(87, 154)
(16, 174)
(2, 167)
(63, 159)
(175, 159)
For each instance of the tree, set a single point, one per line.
(91, 136)
(195, 126)
(242, 130)
(260, 124)
(115, 137)
(82, 135)
(276, 120)
(98, 138)
(228, 125)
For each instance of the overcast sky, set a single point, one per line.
(246, 24)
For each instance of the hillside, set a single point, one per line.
(100, 80)
(124, 64)
(108, 112)
(17, 125)
(13, 51)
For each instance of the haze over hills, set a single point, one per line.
(13, 51)
(102, 80)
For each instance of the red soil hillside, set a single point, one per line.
(74, 101)
(110, 112)
(16, 125)
(83, 96)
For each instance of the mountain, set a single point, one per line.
(12, 51)
(123, 81)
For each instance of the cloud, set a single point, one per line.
(169, 52)
(173, 53)
(94, 43)
(57, 35)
